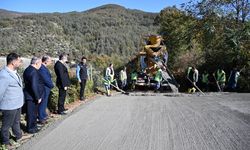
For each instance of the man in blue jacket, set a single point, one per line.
(82, 76)
(33, 92)
(48, 85)
(11, 98)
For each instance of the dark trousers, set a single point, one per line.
(11, 119)
(157, 85)
(42, 115)
(204, 86)
(123, 84)
(31, 116)
(82, 84)
(61, 100)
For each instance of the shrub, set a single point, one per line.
(53, 99)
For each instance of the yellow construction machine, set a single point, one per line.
(150, 58)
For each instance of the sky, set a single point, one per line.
(39, 6)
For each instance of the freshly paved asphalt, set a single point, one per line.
(153, 122)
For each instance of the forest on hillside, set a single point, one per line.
(107, 30)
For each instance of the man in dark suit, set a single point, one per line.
(33, 92)
(48, 85)
(62, 81)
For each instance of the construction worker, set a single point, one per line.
(212, 87)
(133, 79)
(107, 82)
(123, 77)
(204, 80)
(109, 79)
(220, 77)
(233, 79)
(145, 76)
(158, 79)
(165, 58)
(192, 75)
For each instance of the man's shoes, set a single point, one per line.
(32, 131)
(82, 98)
(62, 113)
(42, 122)
(18, 140)
(65, 109)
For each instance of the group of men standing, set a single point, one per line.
(109, 79)
(207, 81)
(212, 81)
(32, 98)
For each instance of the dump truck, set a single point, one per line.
(152, 56)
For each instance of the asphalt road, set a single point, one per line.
(153, 122)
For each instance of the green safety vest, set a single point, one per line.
(204, 78)
(158, 75)
(106, 82)
(134, 76)
(221, 76)
(123, 75)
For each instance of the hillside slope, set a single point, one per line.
(108, 29)
(11, 14)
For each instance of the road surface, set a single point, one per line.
(153, 122)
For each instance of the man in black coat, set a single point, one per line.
(33, 92)
(62, 81)
(82, 76)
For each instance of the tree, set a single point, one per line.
(179, 31)
(208, 33)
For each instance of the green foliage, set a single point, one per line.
(208, 34)
(89, 88)
(3, 147)
(73, 93)
(177, 29)
(108, 30)
(244, 83)
(53, 100)
(6, 23)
